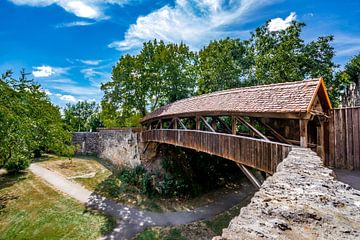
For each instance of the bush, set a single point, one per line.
(186, 174)
(17, 163)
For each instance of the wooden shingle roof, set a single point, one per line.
(291, 97)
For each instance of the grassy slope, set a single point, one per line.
(78, 169)
(30, 209)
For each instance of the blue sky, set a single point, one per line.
(70, 46)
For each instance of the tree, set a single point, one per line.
(223, 64)
(29, 122)
(161, 73)
(343, 80)
(82, 116)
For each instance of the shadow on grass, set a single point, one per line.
(10, 179)
(6, 181)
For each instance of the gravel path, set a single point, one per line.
(133, 220)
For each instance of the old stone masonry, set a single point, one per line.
(302, 200)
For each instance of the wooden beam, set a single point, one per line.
(233, 125)
(250, 176)
(181, 123)
(321, 141)
(197, 119)
(253, 128)
(224, 124)
(300, 115)
(175, 123)
(207, 124)
(274, 132)
(303, 123)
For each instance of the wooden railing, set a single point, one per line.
(260, 154)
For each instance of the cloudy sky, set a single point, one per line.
(70, 46)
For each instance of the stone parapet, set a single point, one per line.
(302, 200)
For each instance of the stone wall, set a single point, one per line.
(302, 200)
(118, 147)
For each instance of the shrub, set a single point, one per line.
(17, 163)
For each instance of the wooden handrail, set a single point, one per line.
(253, 152)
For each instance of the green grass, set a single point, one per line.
(222, 220)
(30, 209)
(78, 169)
(161, 234)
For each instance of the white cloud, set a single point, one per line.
(47, 92)
(75, 24)
(47, 71)
(278, 24)
(68, 98)
(191, 21)
(346, 45)
(91, 62)
(92, 9)
(77, 90)
(43, 71)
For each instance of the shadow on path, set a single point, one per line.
(134, 220)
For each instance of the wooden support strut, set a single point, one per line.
(248, 125)
(181, 123)
(207, 124)
(250, 176)
(274, 132)
(224, 124)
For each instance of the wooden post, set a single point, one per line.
(233, 125)
(160, 124)
(175, 123)
(303, 123)
(197, 119)
(321, 141)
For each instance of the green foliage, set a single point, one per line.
(161, 73)
(160, 234)
(82, 116)
(29, 122)
(186, 174)
(343, 79)
(17, 163)
(282, 56)
(222, 65)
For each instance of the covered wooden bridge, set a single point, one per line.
(253, 126)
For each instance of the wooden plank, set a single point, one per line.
(356, 137)
(337, 129)
(332, 144)
(349, 140)
(303, 125)
(248, 151)
(197, 119)
(233, 125)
